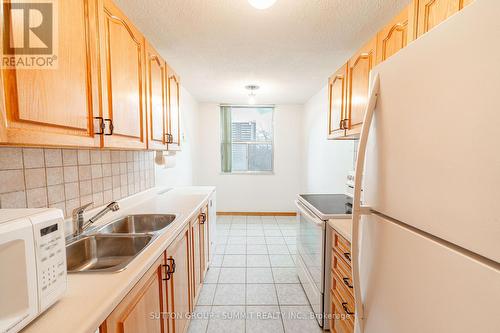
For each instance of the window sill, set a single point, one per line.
(248, 173)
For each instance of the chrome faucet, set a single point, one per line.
(79, 224)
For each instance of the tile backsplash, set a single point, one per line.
(69, 178)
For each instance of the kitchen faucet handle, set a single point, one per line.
(80, 210)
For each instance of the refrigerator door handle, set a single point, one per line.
(358, 210)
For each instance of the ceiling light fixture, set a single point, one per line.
(252, 94)
(262, 4)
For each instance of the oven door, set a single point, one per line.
(311, 258)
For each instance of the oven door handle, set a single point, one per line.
(304, 210)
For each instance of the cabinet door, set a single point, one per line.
(429, 13)
(124, 82)
(156, 98)
(147, 297)
(178, 285)
(338, 100)
(196, 250)
(360, 66)
(204, 241)
(174, 130)
(393, 37)
(56, 106)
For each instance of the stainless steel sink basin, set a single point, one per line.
(104, 253)
(138, 224)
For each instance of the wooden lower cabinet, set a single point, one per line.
(341, 288)
(196, 246)
(204, 240)
(179, 302)
(169, 288)
(148, 297)
(199, 248)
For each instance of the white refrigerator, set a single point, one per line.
(426, 234)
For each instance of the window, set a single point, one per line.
(247, 139)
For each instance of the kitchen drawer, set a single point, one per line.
(343, 292)
(340, 322)
(343, 271)
(342, 246)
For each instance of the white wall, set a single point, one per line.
(326, 162)
(182, 173)
(253, 193)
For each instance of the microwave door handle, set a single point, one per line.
(358, 210)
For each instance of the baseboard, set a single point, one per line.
(258, 213)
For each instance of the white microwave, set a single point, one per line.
(32, 264)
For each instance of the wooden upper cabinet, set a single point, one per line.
(178, 256)
(56, 106)
(122, 50)
(429, 13)
(337, 86)
(133, 314)
(174, 130)
(359, 67)
(156, 99)
(393, 37)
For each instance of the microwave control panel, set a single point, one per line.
(51, 259)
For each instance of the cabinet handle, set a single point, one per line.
(203, 218)
(344, 305)
(101, 126)
(346, 282)
(172, 265)
(170, 138)
(167, 272)
(347, 255)
(111, 126)
(344, 124)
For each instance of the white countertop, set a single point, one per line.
(91, 297)
(343, 227)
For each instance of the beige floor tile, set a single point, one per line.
(229, 294)
(291, 294)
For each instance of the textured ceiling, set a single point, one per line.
(219, 46)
